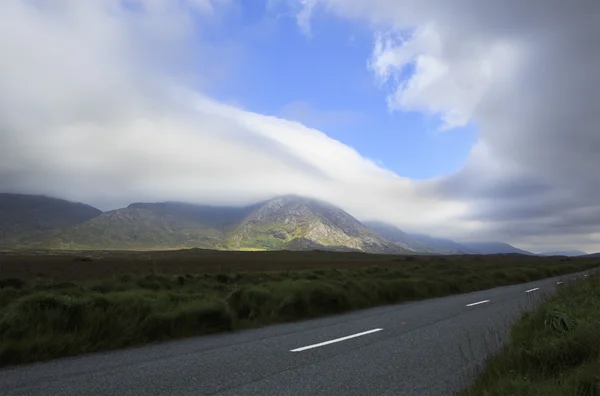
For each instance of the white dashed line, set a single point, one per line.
(478, 302)
(559, 283)
(532, 290)
(336, 340)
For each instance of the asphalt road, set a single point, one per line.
(430, 347)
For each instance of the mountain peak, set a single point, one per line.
(281, 220)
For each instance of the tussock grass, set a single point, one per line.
(45, 317)
(553, 350)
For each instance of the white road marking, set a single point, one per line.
(585, 275)
(478, 302)
(532, 290)
(559, 283)
(336, 340)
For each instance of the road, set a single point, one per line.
(423, 348)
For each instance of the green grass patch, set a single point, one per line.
(553, 350)
(44, 318)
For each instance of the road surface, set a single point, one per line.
(423, 348)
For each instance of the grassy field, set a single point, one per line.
(553, 350)
(66, 303)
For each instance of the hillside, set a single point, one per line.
(494, 248)
(407, 241)
(294, 222)
(22, 214)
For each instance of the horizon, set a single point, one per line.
(471, 121)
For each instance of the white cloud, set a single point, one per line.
(92, 108)
(445, 83)
(304, 15)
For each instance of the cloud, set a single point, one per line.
(525, 73)
(304, 15)
(97, 107)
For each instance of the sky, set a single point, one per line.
(471, 119)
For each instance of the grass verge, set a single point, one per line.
(553, 350)
(43, 318)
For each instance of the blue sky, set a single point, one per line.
(323, 81)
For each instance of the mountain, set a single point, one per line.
(568, 253)
(291, 221)
(428, 244)
(494, 248)
(443, 244)
(408, 241)
(22, 214)
(593, 255)
(288, 222)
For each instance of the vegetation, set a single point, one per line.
(58, 304)
(554, 350)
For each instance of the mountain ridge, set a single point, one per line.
(286, 222)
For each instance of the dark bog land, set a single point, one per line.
(66, 303)
(553, 350)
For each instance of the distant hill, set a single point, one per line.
(568, 253)
(409, 241)
(494, 248)
(592, 255)
(288, 222)
(22, 214)
(444, 244)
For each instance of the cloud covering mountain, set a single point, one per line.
(110, 102)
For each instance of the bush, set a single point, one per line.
(42, 318)
(193, 319)
(15, 283)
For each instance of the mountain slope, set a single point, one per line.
(301, 223)
(568, 253)
(495, 248)
(405, 240)
(22, 214)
